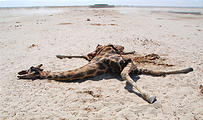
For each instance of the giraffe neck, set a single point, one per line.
(89, 70)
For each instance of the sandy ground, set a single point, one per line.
(176, 37)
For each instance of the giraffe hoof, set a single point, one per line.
(152, 99)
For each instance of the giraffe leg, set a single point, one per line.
(162, 73)
(125, 75)
(70, 57)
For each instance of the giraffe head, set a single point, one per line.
(106, 49)
(31, 73)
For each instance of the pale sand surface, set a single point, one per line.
(176, 37)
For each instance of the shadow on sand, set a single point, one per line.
(128, 86)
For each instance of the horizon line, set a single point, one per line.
(162, 6)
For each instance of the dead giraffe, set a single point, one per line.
(105, 59)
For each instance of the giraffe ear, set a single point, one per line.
(98, 45)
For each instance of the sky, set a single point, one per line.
(27, 3)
